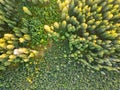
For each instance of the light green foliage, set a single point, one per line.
(56, 71)
(92, 28)
(41, 14)
(21, 29)
(14, 37)
(39, 1)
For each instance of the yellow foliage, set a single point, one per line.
(27, 11)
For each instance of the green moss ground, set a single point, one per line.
(56, 73)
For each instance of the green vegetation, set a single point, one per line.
(92, 29)
(56, 72)
(22, 30)
(13, 36)
(42, 15)
(46, 47)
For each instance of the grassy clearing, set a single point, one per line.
(56, 73)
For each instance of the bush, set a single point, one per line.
(15, 32)
(92, 28)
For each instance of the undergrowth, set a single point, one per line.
(55, 72)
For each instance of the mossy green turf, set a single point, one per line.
(56, 73)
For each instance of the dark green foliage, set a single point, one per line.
(92, 28)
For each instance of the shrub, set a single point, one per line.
(92, 28)
(15, 35)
